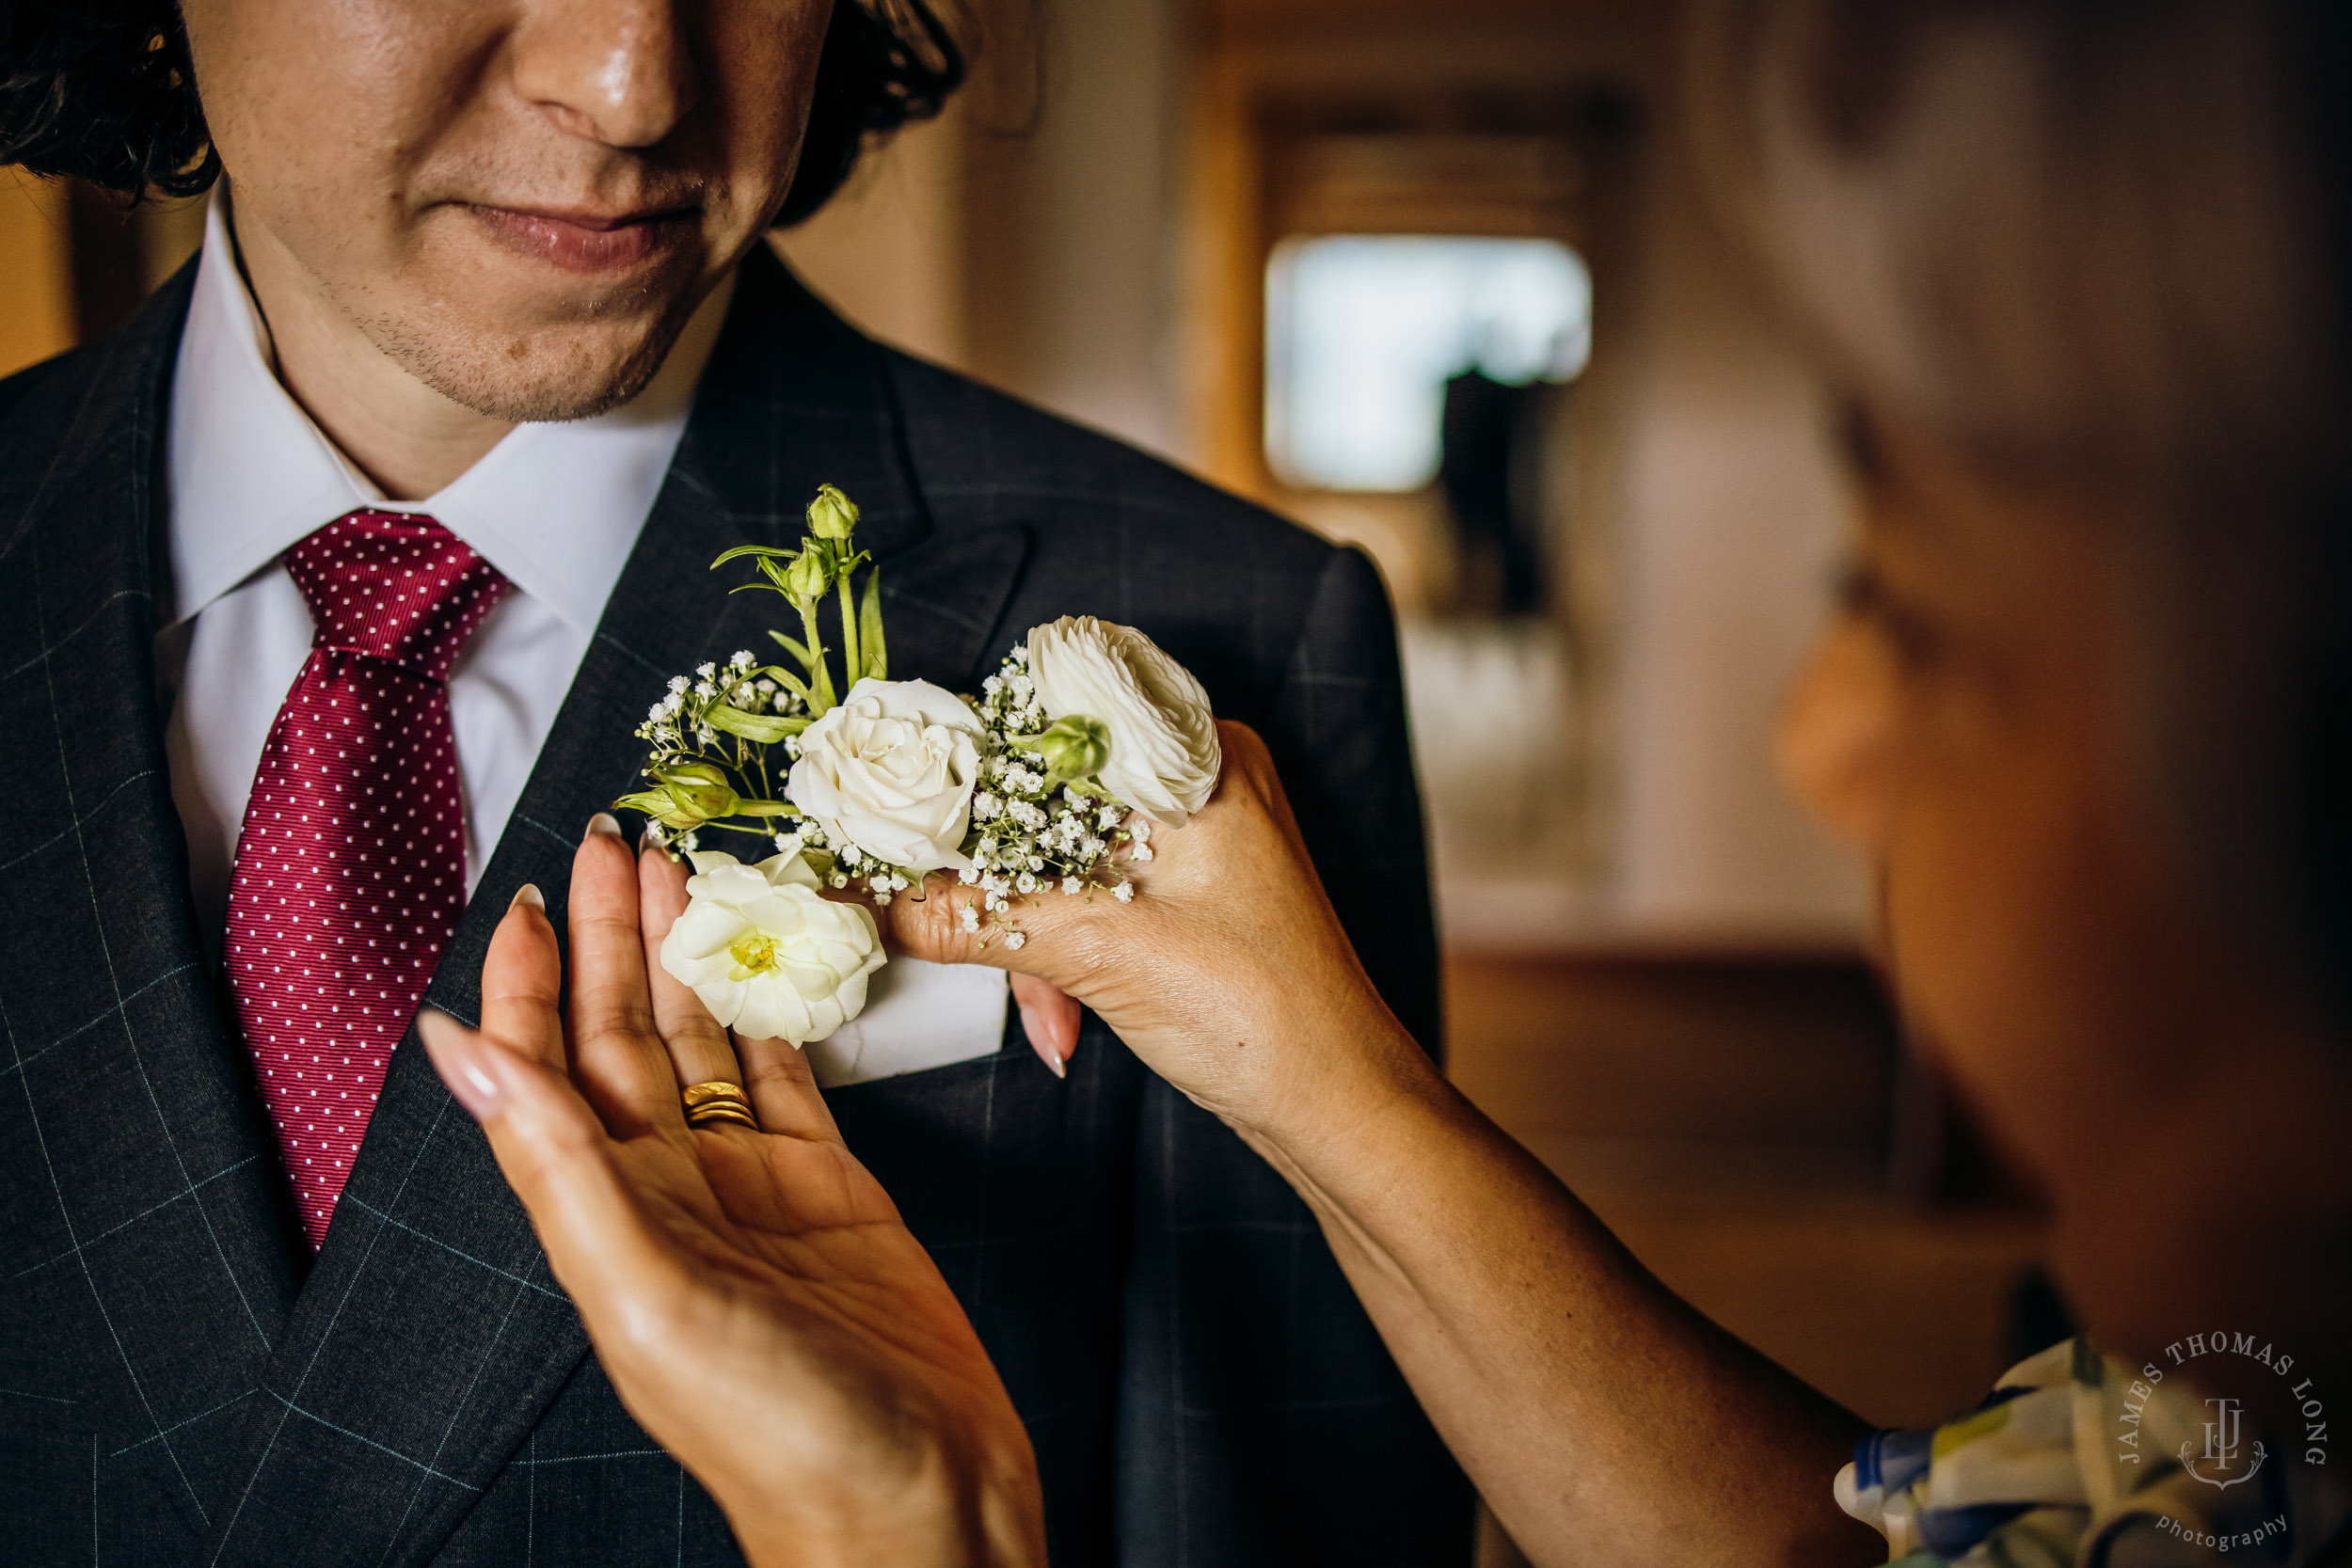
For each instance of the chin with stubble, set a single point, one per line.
(517, 202)
(538, 358)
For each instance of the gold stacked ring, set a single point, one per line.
(718, 1100)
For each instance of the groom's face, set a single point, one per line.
(520, 201)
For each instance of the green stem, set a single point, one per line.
(849, 631)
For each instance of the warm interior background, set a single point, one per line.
(1655, 966)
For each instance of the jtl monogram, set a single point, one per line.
(2220, 1457)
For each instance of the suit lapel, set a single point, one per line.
(147, 1250)
(430, 1335)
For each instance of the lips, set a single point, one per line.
(586, 241)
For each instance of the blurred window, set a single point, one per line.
(1363, 331)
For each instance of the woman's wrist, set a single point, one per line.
(972, 1503)
(1314, 1078)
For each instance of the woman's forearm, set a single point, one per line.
(1601, 1417)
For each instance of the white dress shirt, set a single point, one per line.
(555, 507)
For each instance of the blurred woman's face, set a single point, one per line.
(1959, 723)
(1966, 722)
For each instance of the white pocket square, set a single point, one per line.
(917, 1016)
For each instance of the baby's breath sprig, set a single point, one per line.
(1040, 824)
(710, 736)
(712, 732)
(1018, 789)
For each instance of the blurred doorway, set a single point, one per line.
(1402, 315)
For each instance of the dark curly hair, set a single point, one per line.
(103, 90)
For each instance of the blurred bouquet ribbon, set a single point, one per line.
(1049, 781)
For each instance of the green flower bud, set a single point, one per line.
(809, 576)
(698, 792)
(832, 514)
(1075, 748)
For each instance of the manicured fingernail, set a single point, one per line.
(529, 897)
(1034, 1027)
(456, 1057)
(606, 823)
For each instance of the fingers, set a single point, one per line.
(1249, 766)
(928, 923)
(616, 1053)
(522, 983)
(699, 1050)
(773, 1073)
(784, 1091)
(1050, 1018)
(557, 1156)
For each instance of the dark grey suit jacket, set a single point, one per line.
(179, 1385)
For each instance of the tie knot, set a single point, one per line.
(396, 585)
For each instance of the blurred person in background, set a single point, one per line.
(485, 304)
(2080, 268)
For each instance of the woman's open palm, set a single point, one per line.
(753, 1294)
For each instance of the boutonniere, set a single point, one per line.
(1048, 782)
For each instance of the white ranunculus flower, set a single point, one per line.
(891, 770)
(1165, 753)
(769, 957)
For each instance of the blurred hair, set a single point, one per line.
(2099, 245)
(103, 90)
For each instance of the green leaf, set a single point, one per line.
(869, 628)
(797, 687)
(819, 694)
(765, 808)
(793, 646)
(741, 550)
(752, 726)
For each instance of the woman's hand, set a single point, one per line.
(1205, 974)
(753, 1295)
(1538, 1346)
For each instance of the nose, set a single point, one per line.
(618, 72)
(1837, 736)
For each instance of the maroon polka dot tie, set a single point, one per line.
(351, 867)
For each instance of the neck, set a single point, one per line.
(2214, 1203)
(410, 439)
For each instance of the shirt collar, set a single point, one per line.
(555, 507)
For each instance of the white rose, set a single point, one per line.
(769, 957)
(891, 770)
(1165, 753)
